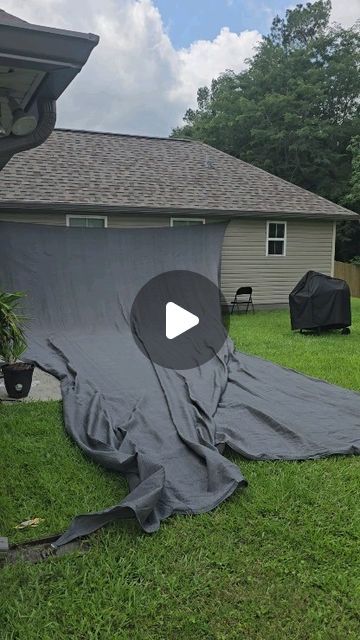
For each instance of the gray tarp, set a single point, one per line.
(164, 430)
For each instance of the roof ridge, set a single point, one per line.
(123, 135)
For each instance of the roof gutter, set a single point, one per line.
(57, 56)
(105, 209)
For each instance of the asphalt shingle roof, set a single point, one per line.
(84, 170)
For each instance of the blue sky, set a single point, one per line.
(189, 20)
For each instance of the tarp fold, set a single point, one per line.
(165, 430)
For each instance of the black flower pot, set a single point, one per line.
(18, 379)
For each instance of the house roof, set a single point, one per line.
(91, 171)
(8, 18)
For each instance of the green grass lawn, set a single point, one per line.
(278, 560)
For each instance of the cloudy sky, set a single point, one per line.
(154, 54)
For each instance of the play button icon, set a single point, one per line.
(176, 320)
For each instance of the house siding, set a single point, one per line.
(34, 218)
(244, 260)
(118, 222)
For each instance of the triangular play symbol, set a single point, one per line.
(178, 320)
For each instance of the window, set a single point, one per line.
(185, 222)
(276, 239)
(86, 221)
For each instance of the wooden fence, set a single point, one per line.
(350, 273)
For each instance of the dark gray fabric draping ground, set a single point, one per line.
(164, 430)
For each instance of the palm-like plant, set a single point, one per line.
(12, 338)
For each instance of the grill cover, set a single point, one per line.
(320, 302)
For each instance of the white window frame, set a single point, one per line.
(182, 219)
(284, 240)
(75, 215)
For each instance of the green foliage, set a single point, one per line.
(295, 110)
(348, 233)
(353, 196)
(347, 240)
(12, 339)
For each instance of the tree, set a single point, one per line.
(353, 196)
(296, 108)
(348, 234)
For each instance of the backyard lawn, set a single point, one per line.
(277, 560)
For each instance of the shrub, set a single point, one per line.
(12, 338)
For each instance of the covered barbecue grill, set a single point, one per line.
(319, 302)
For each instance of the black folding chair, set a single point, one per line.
(243, 291)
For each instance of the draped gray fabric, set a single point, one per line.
(164, 430)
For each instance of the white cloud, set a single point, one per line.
(205, 60)
(135, 80)
(346, 12)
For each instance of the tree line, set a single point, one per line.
(294, 111)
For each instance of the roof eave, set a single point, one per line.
(63, 207)
(29, 45)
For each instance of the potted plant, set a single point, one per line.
(17, 375)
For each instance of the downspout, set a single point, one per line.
(11, 145)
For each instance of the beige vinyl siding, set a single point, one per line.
(117, 222)
(34, 218)
(126, 222)
(244, 260)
